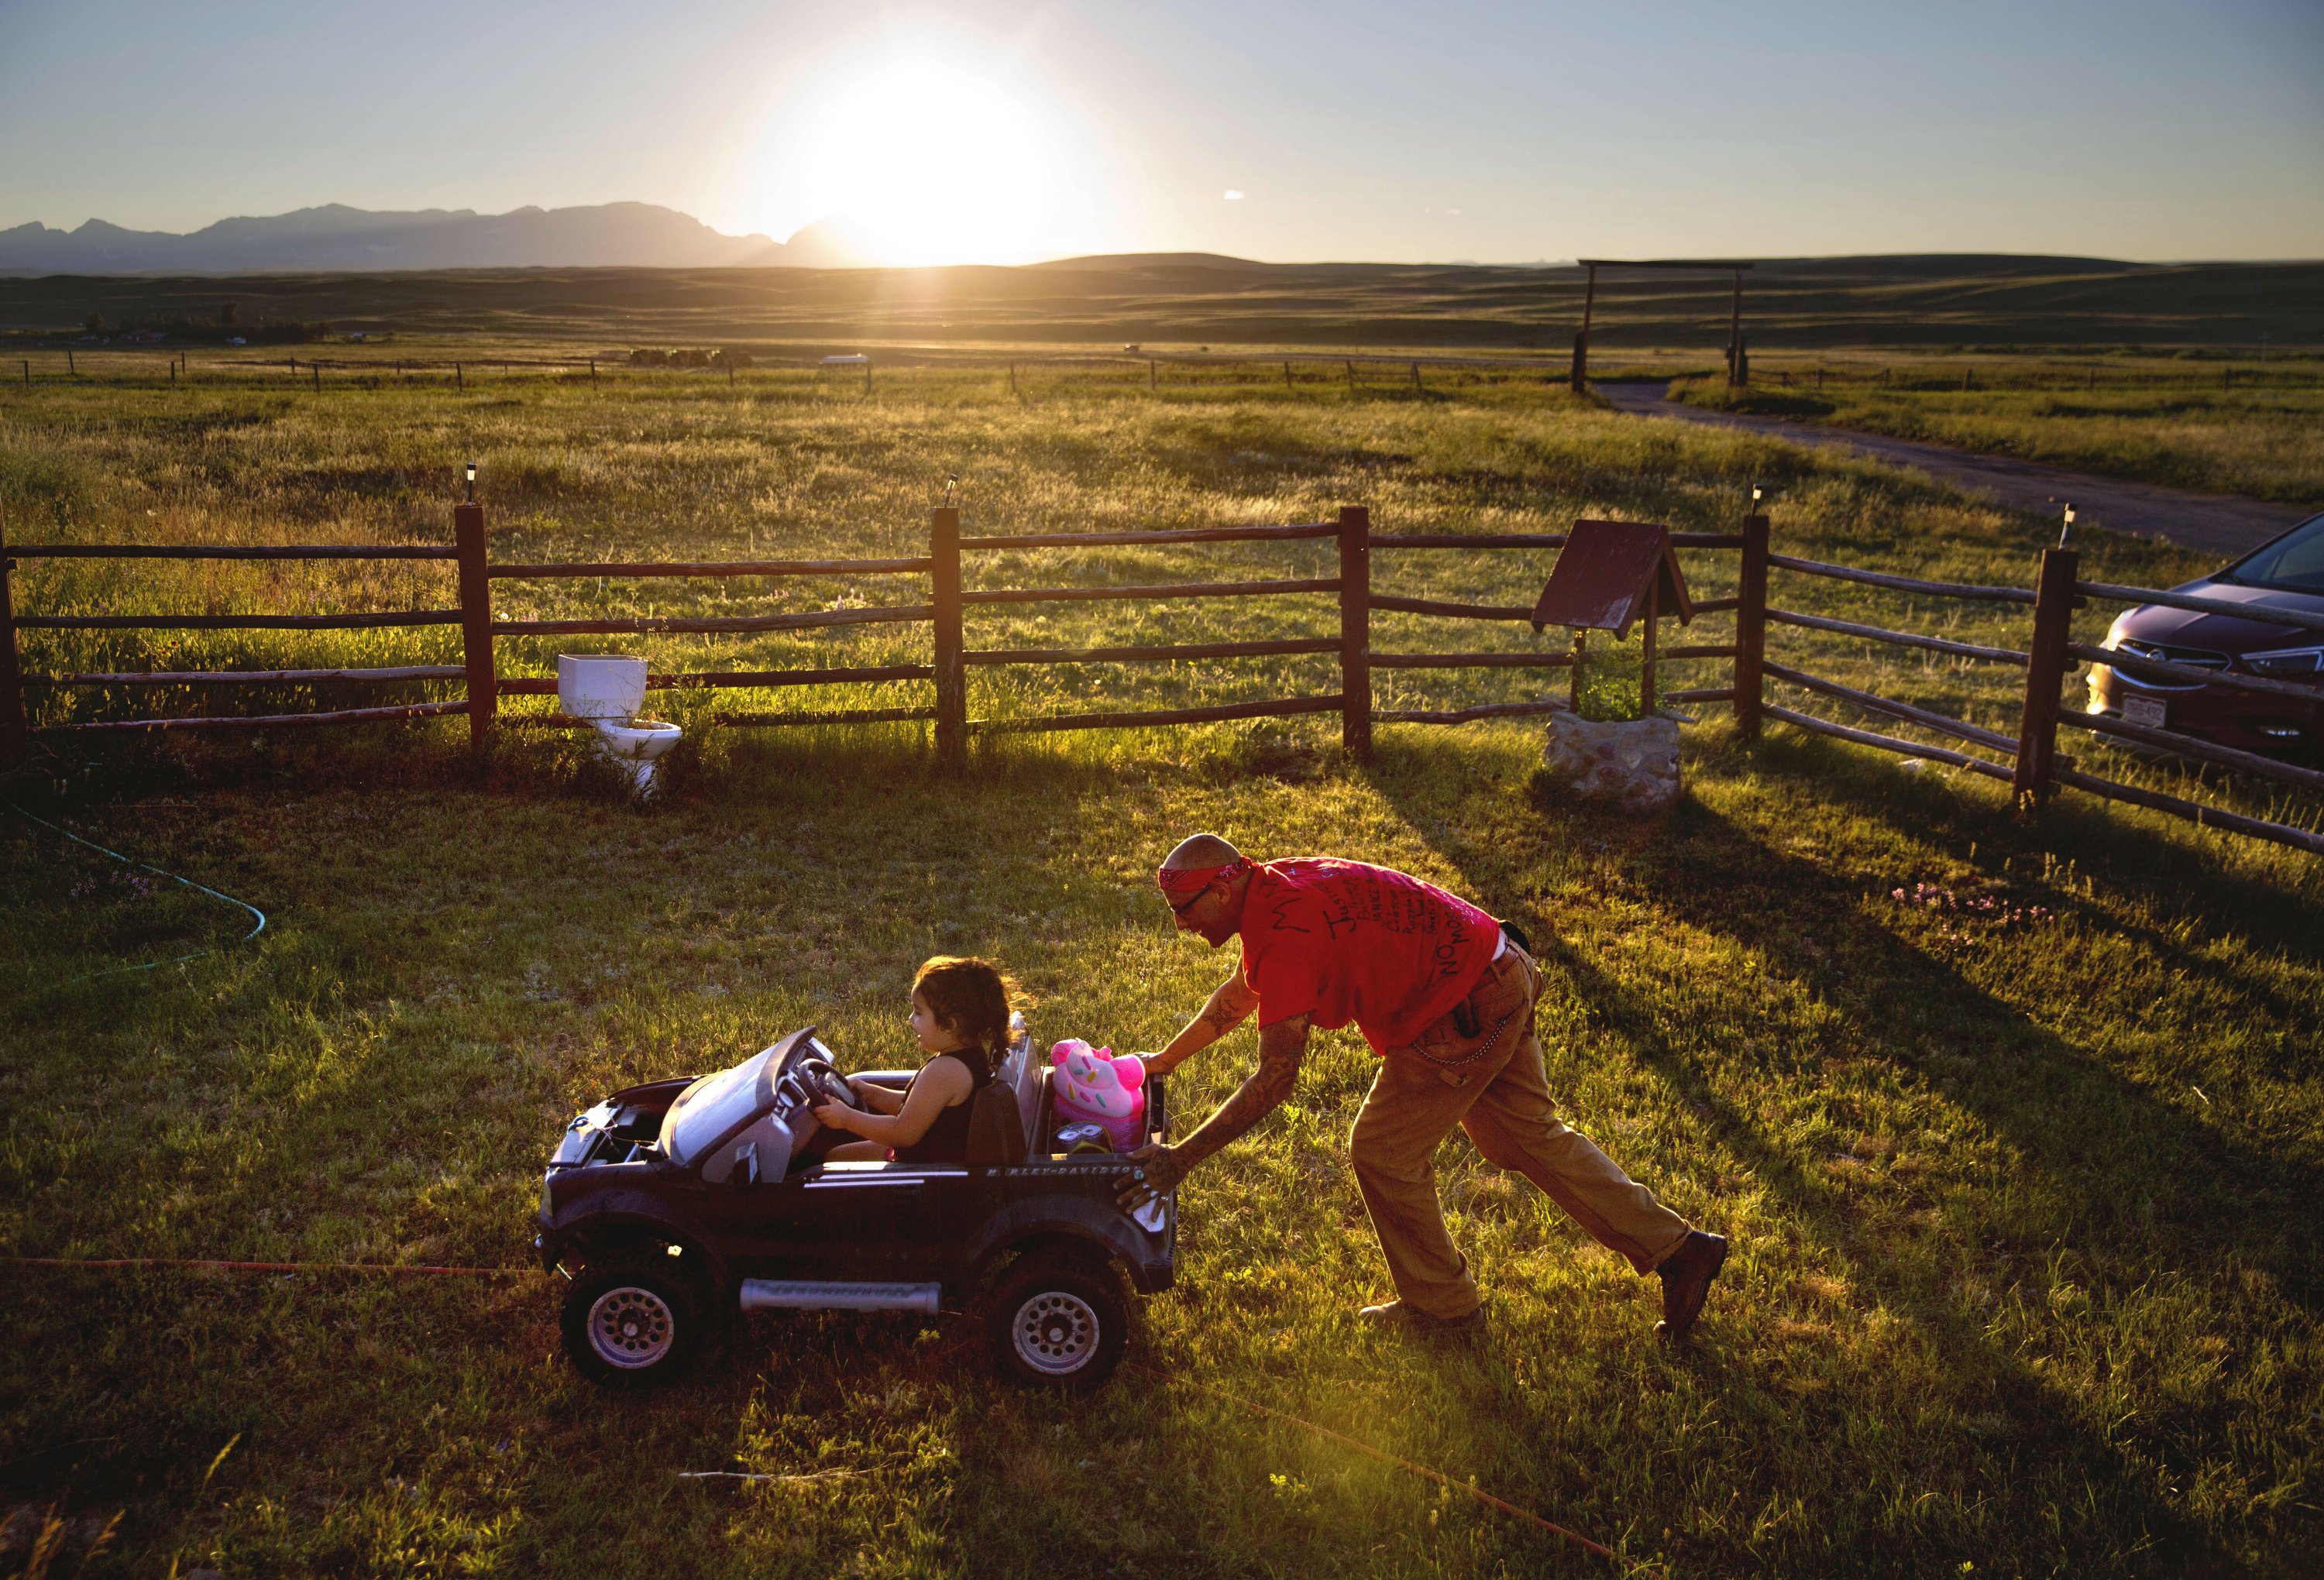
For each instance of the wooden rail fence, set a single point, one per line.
(2028, 761)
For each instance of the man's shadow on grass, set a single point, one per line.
(2129, 1184)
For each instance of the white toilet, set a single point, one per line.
(608, 690)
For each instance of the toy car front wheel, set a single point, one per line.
(1060, 1321)
(630, 1325)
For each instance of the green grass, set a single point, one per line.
(2026, 1276)
(2266, 442)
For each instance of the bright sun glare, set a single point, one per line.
(920, 161)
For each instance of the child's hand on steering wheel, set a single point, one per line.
(835, 1114)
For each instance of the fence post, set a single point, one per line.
(1751, 628)
(2037, 729)
(1356, 630)
(12, 735)
(476, 619)
(952, 670)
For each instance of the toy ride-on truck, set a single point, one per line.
(673, 1204)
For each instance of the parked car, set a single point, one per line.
(675, 1205)
(2286, 574)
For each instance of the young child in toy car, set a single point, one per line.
(960, 1014)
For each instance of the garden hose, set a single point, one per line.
(173, 877)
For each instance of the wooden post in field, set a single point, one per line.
(1153, 379)
(951, 670)
(1736, 372)
(1356, 630)
(12, 735)
(476, 618)
(1012, 378)
(69, 369)
(1286, 375)
(1751, 628)
(1647, 653)
(2037, 729)
(317, 368)
(1582, 340)
(173, 373)
(28, 369)
(1352, 375)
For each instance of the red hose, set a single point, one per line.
(1424, 1472)
(217, 1266)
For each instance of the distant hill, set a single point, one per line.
(336, 237)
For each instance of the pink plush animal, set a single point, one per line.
(1092, 1085)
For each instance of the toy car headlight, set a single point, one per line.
(2287, 663)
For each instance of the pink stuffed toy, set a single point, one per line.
(1092, 1085)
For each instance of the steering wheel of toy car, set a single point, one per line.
(824, 1084)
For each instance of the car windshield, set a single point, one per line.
(2293, 562)
(717, 1103)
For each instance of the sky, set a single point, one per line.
(1474, 129)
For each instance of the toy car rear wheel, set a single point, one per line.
(630, 1324)
(1058, 1321)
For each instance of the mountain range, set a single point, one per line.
(338, 238)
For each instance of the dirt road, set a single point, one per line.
(2223, 525)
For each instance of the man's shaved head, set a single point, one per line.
(1197, 850)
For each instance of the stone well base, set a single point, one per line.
(1633, 763)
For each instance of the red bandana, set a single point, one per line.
(1186, 882)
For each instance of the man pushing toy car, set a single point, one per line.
(1445, 995)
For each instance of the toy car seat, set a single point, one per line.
(1001, 1123)
(996, 1131)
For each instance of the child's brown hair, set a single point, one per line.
(970, 997)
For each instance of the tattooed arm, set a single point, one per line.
(1281, 1048)
(1229, 1008)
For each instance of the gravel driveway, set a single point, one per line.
(2222, 523)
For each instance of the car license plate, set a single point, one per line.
(2152, 711)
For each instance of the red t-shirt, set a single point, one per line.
(1345, 940)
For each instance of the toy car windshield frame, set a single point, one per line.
(721, 1105)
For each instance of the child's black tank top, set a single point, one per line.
(946, 1140)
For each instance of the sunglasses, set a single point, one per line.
(1178, 910)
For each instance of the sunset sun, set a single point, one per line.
(921, 161)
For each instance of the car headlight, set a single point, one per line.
(2287, 663)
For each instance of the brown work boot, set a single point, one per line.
(1413, 1319)
(1687, 1272)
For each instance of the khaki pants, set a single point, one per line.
(1502, 1099)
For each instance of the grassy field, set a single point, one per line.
(1930, 302)
(2022, 1191)
(2266, 441)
